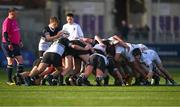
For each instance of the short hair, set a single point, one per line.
(12, 9)
(53, 19)
(136, 52)
(70, 15)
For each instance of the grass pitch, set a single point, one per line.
(109, 96)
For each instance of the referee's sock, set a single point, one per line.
(9, 70)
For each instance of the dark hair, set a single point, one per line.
(136, 52)
(70, 15)
(12, 10)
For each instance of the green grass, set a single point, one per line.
(90, 96)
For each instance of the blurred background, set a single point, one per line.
(155, 23)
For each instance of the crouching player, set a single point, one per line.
(97, 63)
(19, 77)
(52, 56)
(150, 58)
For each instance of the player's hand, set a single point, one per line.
(59, 34)
(10, 47)
(65, 33)
(21, 45)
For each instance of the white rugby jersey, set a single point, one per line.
(100, 47)
(75, 31)
(149, 57)
(128, 53)
(56, 48)
(103, 49)
(113, 40)
(142, 47)
(43, 45)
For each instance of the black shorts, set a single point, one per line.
(15, 52)
(41, 53)
(97, 62)
(111, 65)
(52, 58)
(76, 53)
(37, 62)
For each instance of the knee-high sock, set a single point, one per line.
(20, 68)
(9, 70)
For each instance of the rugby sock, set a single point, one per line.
(137, 81)
(106, 80)
(99, 81)
(9, 70)
(29, 81)
(61, 79)
(117, 82)
(81, 80)
(173, 82)
(167, 81)
(82, 76)
(156, 79)
(67, 80)
(49, 79)
(20, 68)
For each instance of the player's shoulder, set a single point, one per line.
(7, 20)
(150, 51)
(46, 28)
(65, 26)
(75, 24)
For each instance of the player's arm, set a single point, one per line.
(138, 68)
(6, 28)
(80, 33)
(77, 47)
(121, 42)
(97, 38)
(7, 37)
(150, 71)
(52, 38)
(10, 46)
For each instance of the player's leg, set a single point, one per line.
(19, 60)
(85, 57)
(82, 78)
(9, 70)
(100, 69)
(166, 73)
(99, 77)
(10, 59)
(56, 61)
(68, 65)
(55, 78)
(117, 58)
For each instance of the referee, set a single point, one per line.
(12, 44)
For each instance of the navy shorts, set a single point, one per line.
(15, 52)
